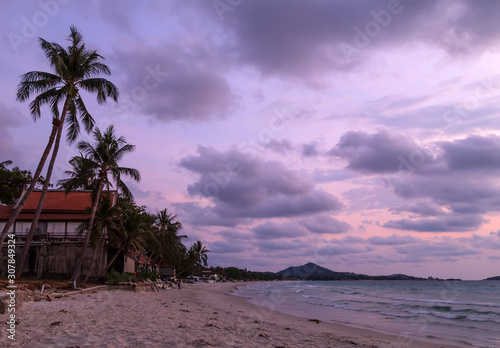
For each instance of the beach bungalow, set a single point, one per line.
(166, 271)
(208, 277)
(56, 243)
(137, 262)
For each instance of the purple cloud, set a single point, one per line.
(440, 224)
(241, 186)
(324, 224)
(382, 152)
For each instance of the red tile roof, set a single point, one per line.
(60, 201)
(57, 206)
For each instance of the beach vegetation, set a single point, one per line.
(13, 181)
(116, 277)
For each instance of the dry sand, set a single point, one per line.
(200, 315)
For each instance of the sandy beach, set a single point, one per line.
(199, 315)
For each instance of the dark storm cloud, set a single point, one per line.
(313, 202)
(456, 185)
(324, 224)
(311, 149)
(382, 152)
(172, 82)
(306, 39)
(241, 186)
(461, 193)
(461, 223)
(472, 153)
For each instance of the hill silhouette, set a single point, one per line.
(312, 271)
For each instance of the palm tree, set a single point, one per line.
(5, 164)
(167, 235)
(74, 68)
(133, 233)
(198, 255)
(107, 218)
(102, 159)
(81, 177)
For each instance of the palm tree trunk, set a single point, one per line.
(79, 262)
(38, 211)
(93, 260)
(34, 224)
(55, 126)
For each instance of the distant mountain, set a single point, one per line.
(493, 278)
(311, 271)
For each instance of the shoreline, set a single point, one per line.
(199, 315)
(346, 332)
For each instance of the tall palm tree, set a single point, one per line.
(198, 255)
(102, 158)
(74, 68)
(167, 243)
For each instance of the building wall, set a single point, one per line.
(57, 259)
(128, 265)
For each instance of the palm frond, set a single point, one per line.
(131, 172)
(102, 87)
(86, 118)
(91, 65)
(73, 124)
(35, 82)
(46, 97)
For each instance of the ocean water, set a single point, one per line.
(463, 313)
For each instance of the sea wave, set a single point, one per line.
(480, 304)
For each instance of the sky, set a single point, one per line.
(363, 136)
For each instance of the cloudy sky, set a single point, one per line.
(360, 135)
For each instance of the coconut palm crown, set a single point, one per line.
(74, 69)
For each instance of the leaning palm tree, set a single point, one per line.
(74, 68)
(103, 157)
